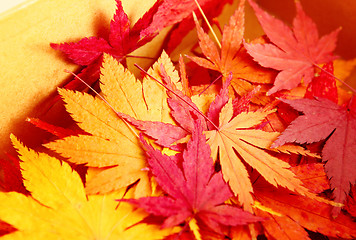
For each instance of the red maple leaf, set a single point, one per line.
(293, 52)
(325, 119)
(299, 212)
(192, 193)
(122, 39)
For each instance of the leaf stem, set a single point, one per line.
(332, 75)
(207, 22)
(190, 105)
(144, 57)
(105, 101)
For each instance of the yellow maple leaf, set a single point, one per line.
(112, 143)
(235, 143)
(58, 207)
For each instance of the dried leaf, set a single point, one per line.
(308, 213)
(112, 143)
(325, 119)
(293, 52)
(234, 58)
(192, 192)
(59, 208)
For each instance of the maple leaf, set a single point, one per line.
(234, 58)
(325, 119)
(122, 39)
(58, 207)
(289, 214)
(293, 52)
(230, 136)
(192, 192)
(235, 142)
(112, 143)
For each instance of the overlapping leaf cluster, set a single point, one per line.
(258, 156)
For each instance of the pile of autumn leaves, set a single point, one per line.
(253, 157)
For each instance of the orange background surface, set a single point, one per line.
(30, 71)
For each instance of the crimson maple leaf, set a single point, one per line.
(196, 192)
(122, 39)
(325, 119)
(293, 52)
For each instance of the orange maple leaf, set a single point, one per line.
(112, 145)
(233, 57)
(292, 213)
(235, 142)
